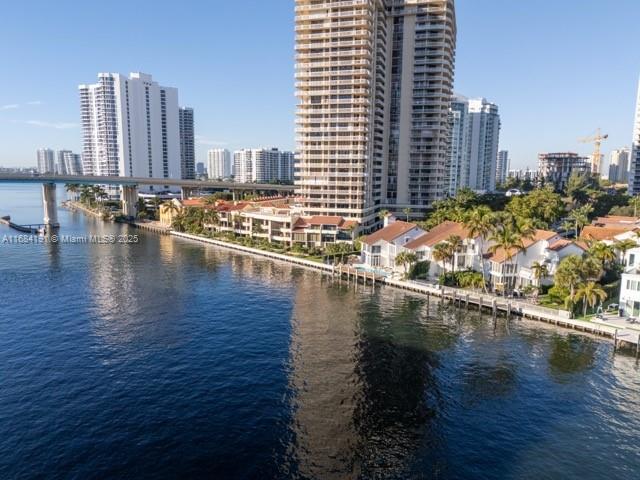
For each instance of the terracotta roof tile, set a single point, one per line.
(592, 232)
(501, 254)
(390, 232)
(438, 234)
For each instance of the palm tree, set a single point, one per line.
(73, 188)
(405, 258)
(382, 214)
(590, 293)
(479, 223)
(407, 212)
(581, 217)
(540, 271)
(509, 239)
(455, 244)
(603, 253)
(442, 253)
(623, 246)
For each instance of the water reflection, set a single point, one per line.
(571, 354)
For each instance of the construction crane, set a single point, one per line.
(597, 140)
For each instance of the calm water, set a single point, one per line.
(171, 359)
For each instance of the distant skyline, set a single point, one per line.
(553, 80)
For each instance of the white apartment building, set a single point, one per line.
(634, 171)
(485, 137)
(502, 167)
(619, 165)
(460, 144)
(475, 135)
(130, 127)
(261, 165)
(69, 163)
(219, 164)
(374, 83)
(187, 144)
(46, 161)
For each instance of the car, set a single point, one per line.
(513, 192)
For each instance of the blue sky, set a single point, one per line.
(558, 69)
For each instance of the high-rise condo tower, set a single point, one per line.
(374, 81)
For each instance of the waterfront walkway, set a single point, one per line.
(459, 297)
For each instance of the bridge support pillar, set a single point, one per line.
(50, 207)
(130, 201)
(187, 192)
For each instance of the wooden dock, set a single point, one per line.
(460, 298)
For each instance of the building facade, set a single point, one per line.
(634, 170)
(556, 168)
(187, 144)
(502, 166)
(261, 165)
(475, 135)
(219, 164)
(485, 137)
(130, 127)
(46, 161)
(619, 165)
(374, 83)
(460, 144)
(69, 163)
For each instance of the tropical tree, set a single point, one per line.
(580, 217)
(603, 253)
(540, 271)
(590, 293)
(543, 206)
(575, 270)
(382, 214)
(407, 212)
(509, 239)
(479, 224)
(406, 259)
(568, 273)
(623, 246)
(455, 245)
(442, 253)
(73, 188)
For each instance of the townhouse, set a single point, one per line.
(379, 250)
(513, 270)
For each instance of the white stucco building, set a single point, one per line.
(262, 165)
(69, 163)
(46, 161)
(130, 127)
(219, 163)
(379, 250)
(475, 137)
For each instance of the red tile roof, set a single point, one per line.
(390, 232)
(592, 232)
(501, 255)
(562, 243)
(438, 234)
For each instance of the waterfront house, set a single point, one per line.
(468, 257)
(379, 250)
(514, 269)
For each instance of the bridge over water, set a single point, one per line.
(129, 189)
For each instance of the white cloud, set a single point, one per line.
(34, 102)
(57, 125)
(208, 142)
(12, 106)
